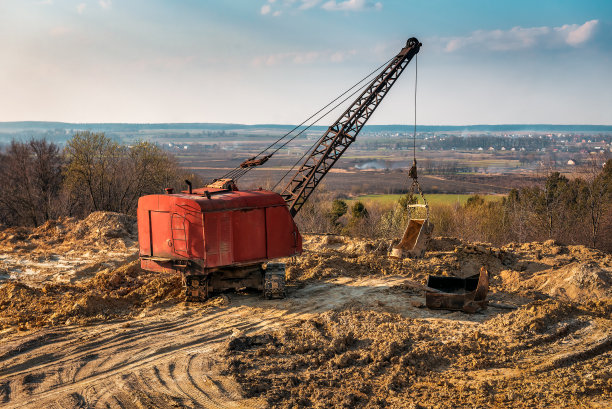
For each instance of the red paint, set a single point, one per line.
(229, 228)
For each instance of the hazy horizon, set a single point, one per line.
(319, 125)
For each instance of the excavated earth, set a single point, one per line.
(81, 325)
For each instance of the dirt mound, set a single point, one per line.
(100, 230)
(537, 318)
(109, 294)
(352, 332)
(534, 270)
(68, 249)
(328, 256)
(344, 244)
(576, 273)
(361, 358)
(575, 281)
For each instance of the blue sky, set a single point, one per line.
(262, 61)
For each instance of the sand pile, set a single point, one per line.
(535, 270)
(361, 358)
(67, 250)
(120, 292)
(575, 273)
(99, 231)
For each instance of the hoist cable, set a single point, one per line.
(239, 171)
(416, 77)
(318, 140)
(413, 170)
(320, 110)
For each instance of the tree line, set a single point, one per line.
(570, 211)
(41, 181)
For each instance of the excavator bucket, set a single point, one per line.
(460, 294)
(415, 239)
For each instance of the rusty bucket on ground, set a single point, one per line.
(460, 294)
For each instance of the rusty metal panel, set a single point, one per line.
(195, 234)
(221, 200)
(144, 231)
(161, 234)
(282, 234)
(249, 235)
(189, 216)
(218, 239)
(157, 266)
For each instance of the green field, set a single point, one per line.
(432, 199)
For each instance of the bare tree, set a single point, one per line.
(596, 197)
(104, 175)
(30, 176)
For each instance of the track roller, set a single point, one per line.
(274, 281)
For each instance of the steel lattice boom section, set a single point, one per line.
(343, 132)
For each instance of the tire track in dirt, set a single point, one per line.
(148, 361)
(173, 357)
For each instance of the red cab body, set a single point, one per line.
(215, 228)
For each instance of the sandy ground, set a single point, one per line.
(352, 332)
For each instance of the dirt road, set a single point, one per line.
(179, 356)
(168, 355)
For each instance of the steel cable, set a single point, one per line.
(239, 172)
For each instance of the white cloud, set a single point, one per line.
(306, 57)
(351, 5)
(518, 38)
(308, 4)
(45, 2)
(330, 5)
(340, 56)
(277, 13)
(105, 4)
(578, 34)
(81, 8)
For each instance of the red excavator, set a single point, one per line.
(219, 237)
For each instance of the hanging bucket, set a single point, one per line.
(418, 232)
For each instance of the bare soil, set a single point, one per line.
(83, 326)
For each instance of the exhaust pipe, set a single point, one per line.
(189, 185)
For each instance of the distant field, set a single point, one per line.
(435, 198)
